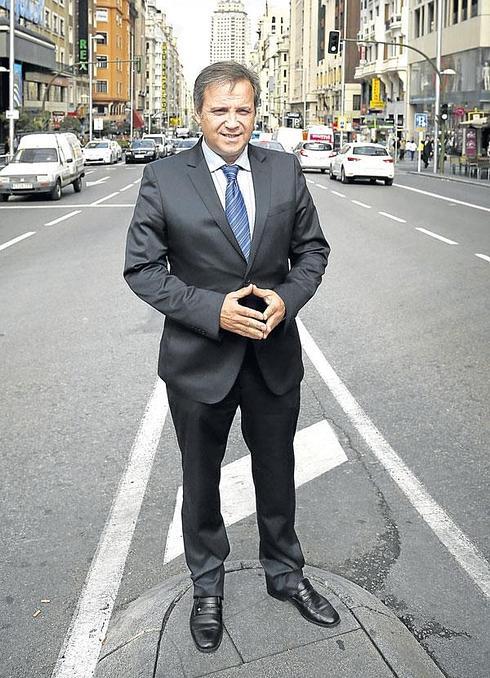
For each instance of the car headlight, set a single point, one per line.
(4, 180)
(43, 178)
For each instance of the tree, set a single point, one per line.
(71, 124)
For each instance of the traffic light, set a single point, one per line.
(444, 112)
(333, 42)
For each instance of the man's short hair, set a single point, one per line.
(220, 73)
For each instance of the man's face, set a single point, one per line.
(227, 118)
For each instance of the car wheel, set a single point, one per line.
(343, 178)
(388, 182)
(323, 171)
(372, 181)
(332, 175)
(56, 192)
(4, 197)
(77, 185)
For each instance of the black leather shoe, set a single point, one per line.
(206, 623)
(312, 605)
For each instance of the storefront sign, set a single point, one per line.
(471, 142)
(82, 45)
(376, 101)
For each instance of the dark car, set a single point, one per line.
(184, 144)
(141, 150)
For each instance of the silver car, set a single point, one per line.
(314, 155)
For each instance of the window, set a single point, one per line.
(102, 38)
(455, 11)
(430, 17)
(101, 15)
(474, 7)
(101, 86)
(464, 10)
(62, 27)
(356, 102)
(47, 19)
(101, 61)
(55, 23)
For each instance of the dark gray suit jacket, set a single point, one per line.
(182, 258)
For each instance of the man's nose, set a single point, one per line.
(231, 119)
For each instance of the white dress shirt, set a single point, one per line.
(245, 181)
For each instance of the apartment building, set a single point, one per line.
(272, 65)
(383, 69)
(466, 51)
(230, 32)
(329, 70)
(303, 62)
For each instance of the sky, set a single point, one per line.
(191, 20)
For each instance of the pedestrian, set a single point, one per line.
(411, 147)
(225, 242)
(401, 149)
(427, 152)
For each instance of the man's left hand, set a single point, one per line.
(275, 311)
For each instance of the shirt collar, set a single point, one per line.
(216, 162)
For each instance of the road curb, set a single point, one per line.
(263, 637)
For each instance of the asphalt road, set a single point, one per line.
(402, 317)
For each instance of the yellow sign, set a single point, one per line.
(164, 77)
(376, 101)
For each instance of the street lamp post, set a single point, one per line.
(437, 103)
(11, 78)
(91, 40)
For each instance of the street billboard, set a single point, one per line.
(82, 39)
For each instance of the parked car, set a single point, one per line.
(43, 163)
(272, 145)
(314, 155)
(362, 160)
(99, 151)
(159, 140)
(184, 144)
(116, 147)
(141, 150)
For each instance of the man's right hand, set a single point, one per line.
(239, 319)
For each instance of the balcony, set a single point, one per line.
(394, 22)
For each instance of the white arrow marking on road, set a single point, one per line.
(317, 451)
(99, 181)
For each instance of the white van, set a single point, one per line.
(289, 137)
(43, 163)
(160, 142)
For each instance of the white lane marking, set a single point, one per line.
(392, 216)
(65, 216)
(137, 181)
(9, 243)
(89, 172)
(322, 186)
(107, 197)
(309, 181)
(99, 181)
(485, 257)
(456, 542)
(317, 451)
(125, 188)
(443, 197)
(81, 647)
(362, 204)
(341, 195)
(435, 235)
(61, 207)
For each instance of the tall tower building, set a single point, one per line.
(230, 32)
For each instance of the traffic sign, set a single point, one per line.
(12, 115)
(420, 121)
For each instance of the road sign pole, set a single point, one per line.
(419, 150)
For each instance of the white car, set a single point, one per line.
(118, 154)
(314, 155)
(100, 151)
(358, 160)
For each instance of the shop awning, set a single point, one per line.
(138, 121)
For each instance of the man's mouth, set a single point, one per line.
(230, 136)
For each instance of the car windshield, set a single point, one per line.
(97, 144)
(186, 143)
(143, 143)
(274, 145)
(157, 140)
(317, 146)
(36, 155)
(369, 150)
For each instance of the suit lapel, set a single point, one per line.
(262, 189)
(203, 183)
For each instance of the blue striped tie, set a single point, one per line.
(235, 209)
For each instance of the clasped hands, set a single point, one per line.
(247, 321)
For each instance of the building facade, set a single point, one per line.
(466, 51)
(230, 32)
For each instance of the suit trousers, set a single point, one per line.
(268, 423)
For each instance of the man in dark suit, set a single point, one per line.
(225, 242)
